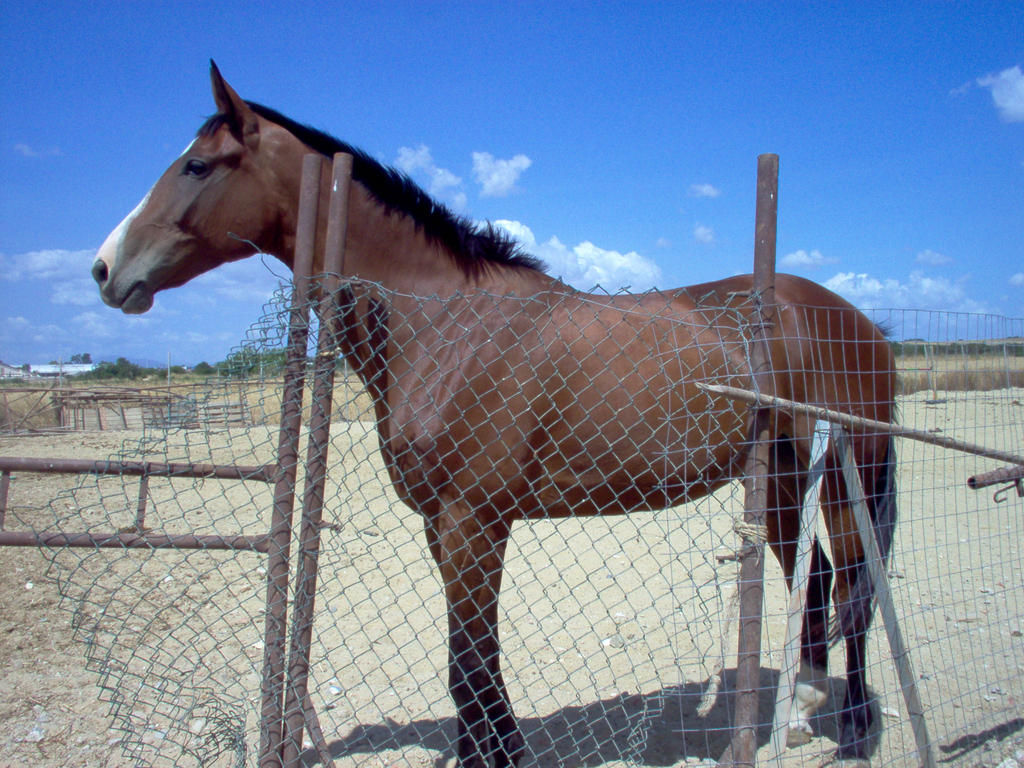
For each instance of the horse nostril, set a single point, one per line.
(99, 271)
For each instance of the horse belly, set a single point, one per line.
(634, 462)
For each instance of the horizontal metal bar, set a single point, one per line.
(264, 473)
(117, 540)
(858, 422)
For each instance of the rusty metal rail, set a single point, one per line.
(860, 425)
(265, 473)
(135, 536)
(132, 541)
(1012, 475)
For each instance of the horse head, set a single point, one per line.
(219, 201)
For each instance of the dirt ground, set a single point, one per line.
(615, 632)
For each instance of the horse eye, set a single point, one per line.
(196, 168)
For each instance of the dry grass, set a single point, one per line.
(263, 399)
(25, 409)
(958, 373)
(31, 408)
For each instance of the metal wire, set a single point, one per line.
(615, 631)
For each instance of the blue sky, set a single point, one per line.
(617, 140)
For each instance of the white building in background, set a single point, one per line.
(13, 372)
(61, 369)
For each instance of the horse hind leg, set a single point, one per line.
(470, 556)
(786, 490)
(854, 591)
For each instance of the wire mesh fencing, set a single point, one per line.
(617, 632)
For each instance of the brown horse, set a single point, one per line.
(507, 395)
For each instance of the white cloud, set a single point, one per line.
(45, 265)
(704, 190)
(918, 292)
(586, 265)
(16, 331)
(1007, 92)
(1017, 279)
(703, 234)
(95, 324)
(806, 260)
(498, 177)
(411, 160)
(79, 292)
(932, 259)
(251, 280)
(26, 150)
(520, 232)
(442, 183)
(64, 274)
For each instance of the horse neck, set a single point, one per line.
(388, 249)
(391, 249)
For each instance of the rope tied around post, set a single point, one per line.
(752, 532)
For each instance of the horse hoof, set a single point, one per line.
(516, 746)
(799, 734)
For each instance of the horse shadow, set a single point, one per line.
(659, 728)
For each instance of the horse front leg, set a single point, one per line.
(470, 554)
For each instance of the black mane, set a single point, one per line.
(472, 247)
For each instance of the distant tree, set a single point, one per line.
(204, 369)
(125, 369)
(81, 358)
(121, 369)
(250, 361)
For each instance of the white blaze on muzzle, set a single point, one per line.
(112, 247)
(111, 253)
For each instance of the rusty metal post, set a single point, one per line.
(272, 687)
(140, 507)
(5, 485)
(742, 750)
(297, 705)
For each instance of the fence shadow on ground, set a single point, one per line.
(982, 740)
(660, 728)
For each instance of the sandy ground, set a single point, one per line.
(613, 630)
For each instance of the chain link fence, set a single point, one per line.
(617, 633)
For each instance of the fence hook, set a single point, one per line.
(1001, 494)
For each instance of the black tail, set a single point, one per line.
(855, 615)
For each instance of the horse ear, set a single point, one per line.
(244, 123)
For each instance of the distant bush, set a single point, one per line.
(249, 362)
(996, 348)
(121, 369)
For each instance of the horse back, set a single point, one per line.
(568, 403)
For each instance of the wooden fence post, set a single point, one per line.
(742, 750)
